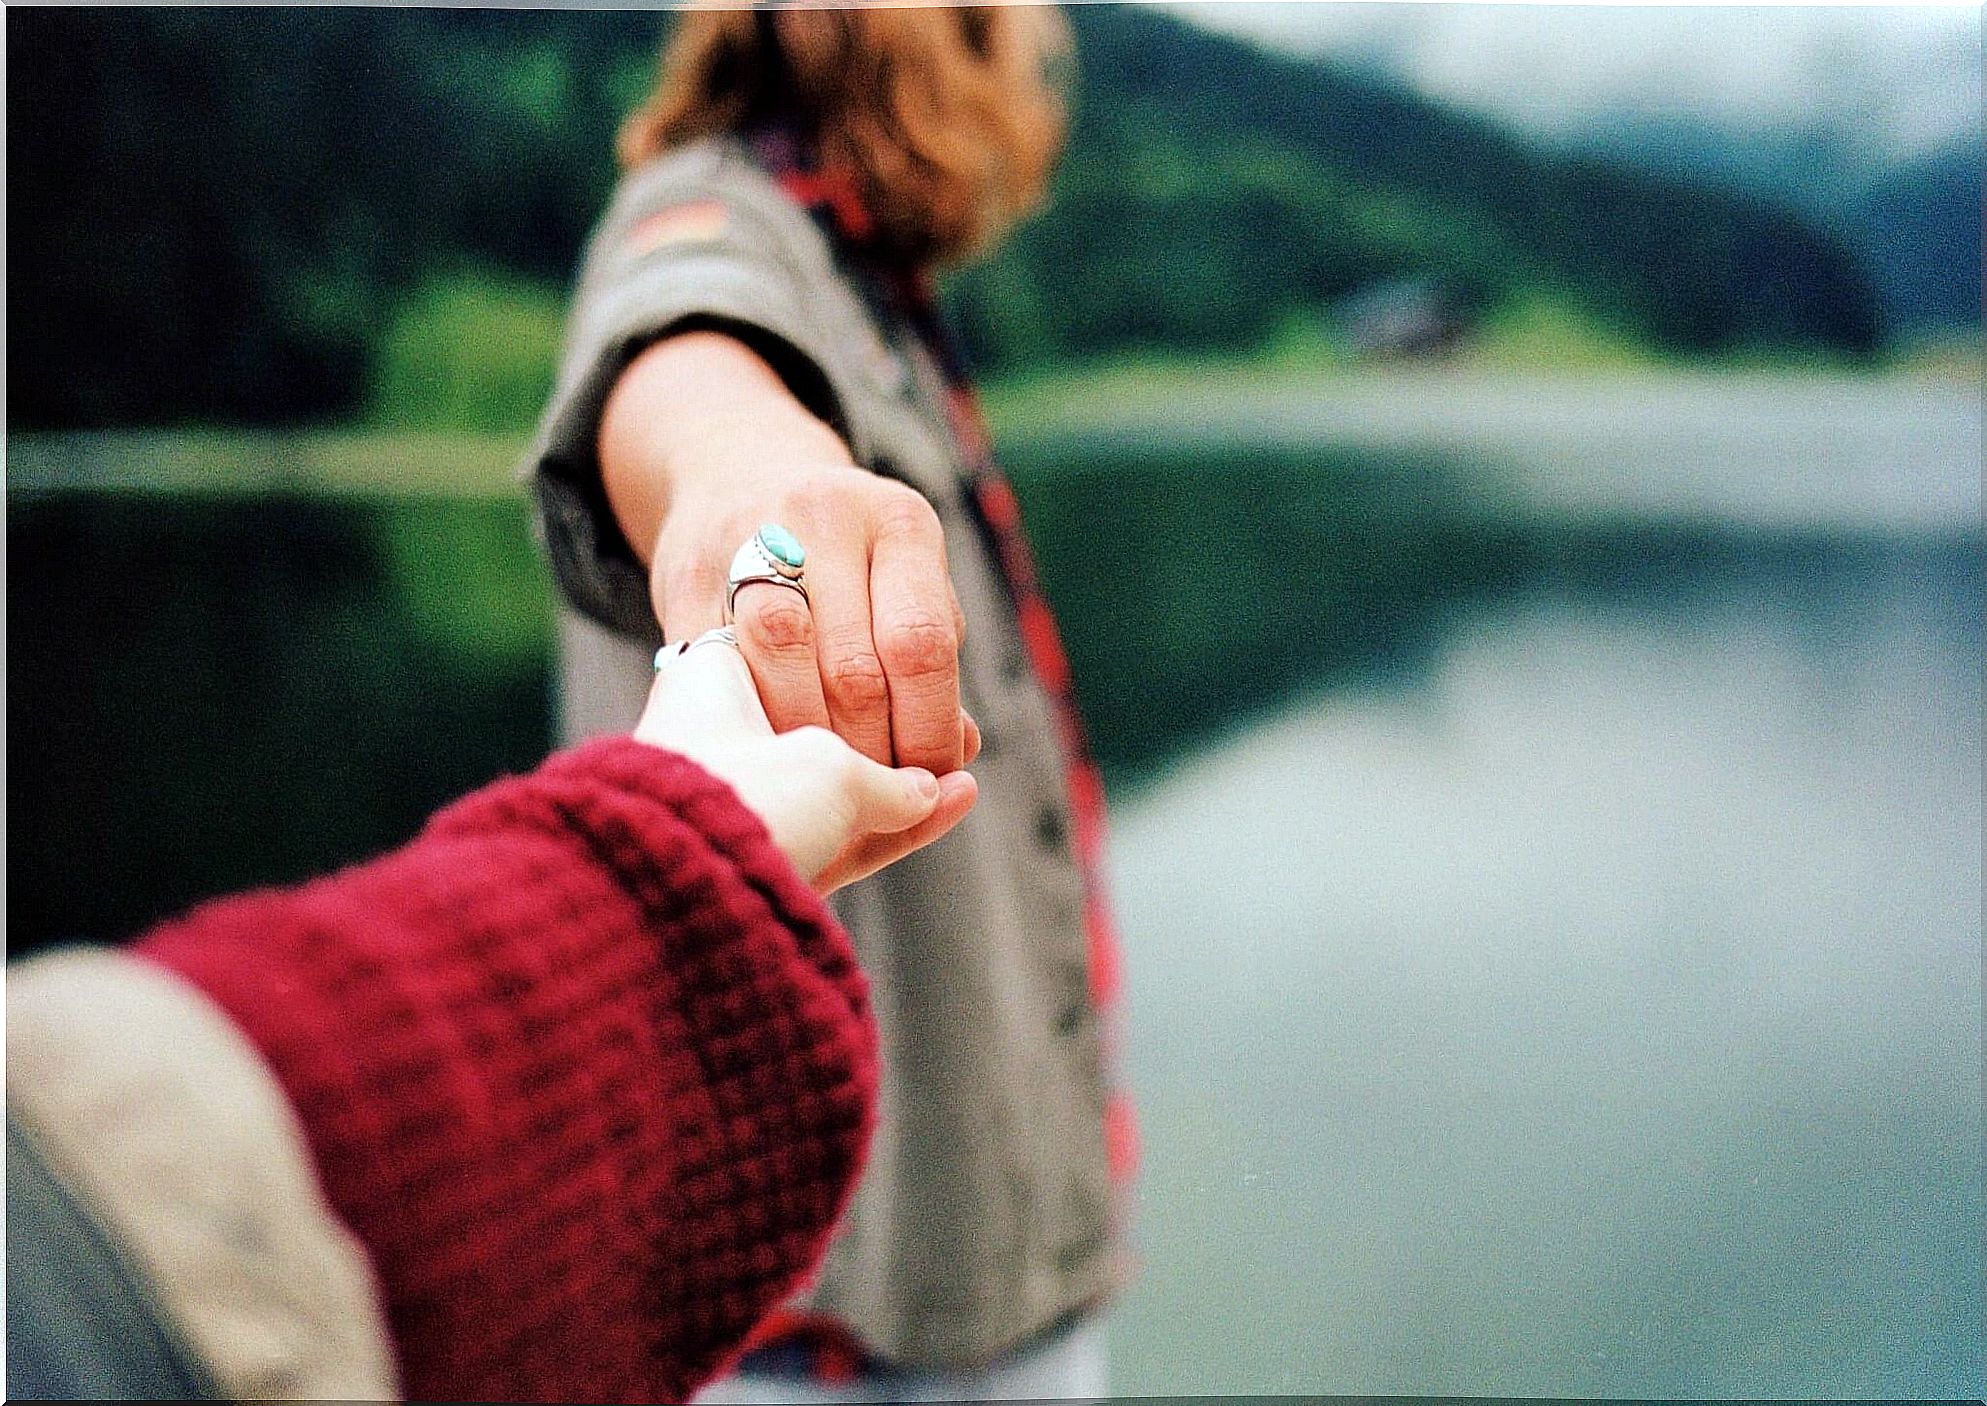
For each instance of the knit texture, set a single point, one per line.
(586, 1067)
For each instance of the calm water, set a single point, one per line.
(1588, 1004)
(1597, 1014)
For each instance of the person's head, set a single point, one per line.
(945, 118)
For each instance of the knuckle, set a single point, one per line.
(817, 496)
(850, 771)
(903, 512)
(919, 645)
(855, 680)
(819, 752)
(823, 754)
(816, 742)
(778, 620)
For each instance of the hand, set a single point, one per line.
(872, 653)
(700, 442)
(837, 815)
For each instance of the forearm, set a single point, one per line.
(499, 1042)
(696, 411)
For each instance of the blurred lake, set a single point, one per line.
(1547, 831)
(1592, 1008)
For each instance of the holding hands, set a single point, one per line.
(838, 815)
(871, 650)
(700, 446)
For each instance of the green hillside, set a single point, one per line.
(269, 215)
(1213, 189)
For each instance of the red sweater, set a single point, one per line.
(586, 1067)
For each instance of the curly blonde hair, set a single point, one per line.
(946, 119)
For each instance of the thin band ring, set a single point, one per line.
(670, 653)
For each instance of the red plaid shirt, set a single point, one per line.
(836, 204)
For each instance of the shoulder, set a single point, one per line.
(718, 185)
(709, 165)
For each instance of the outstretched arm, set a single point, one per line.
(700, 443)
(586, 1068)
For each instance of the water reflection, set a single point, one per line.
(1215, 550)
(213, 693)
(1598, 1015)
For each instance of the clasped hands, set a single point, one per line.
(837, 718)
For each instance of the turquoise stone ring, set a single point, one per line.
(782, 546)
(772, 555)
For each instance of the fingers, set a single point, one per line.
(872, 652)
(969, 737)
(914, 622)
(956, 794)
(776, 636)
(851, 676)
(708, 691)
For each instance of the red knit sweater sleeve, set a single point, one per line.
(586, 1067)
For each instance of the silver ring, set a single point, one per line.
(670, 653)
(773, 555)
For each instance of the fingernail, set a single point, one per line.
(926, 783)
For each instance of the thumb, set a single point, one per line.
(889, 799)
(869, 853)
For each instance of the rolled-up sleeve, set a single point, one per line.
(699, 239)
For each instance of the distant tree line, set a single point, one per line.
(214, 214)
(213, 211)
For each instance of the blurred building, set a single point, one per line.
(1404, 317)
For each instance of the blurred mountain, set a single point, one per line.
(1864, 119)
(1920, 228)
(212, 213)
(1912, 220)
(217, 214)
(1894, 80)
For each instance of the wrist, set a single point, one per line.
(729, 499)
(698, 422)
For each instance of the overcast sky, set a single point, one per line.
(1909, 76)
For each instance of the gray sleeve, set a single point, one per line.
(169, 1132)
(745, 266)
